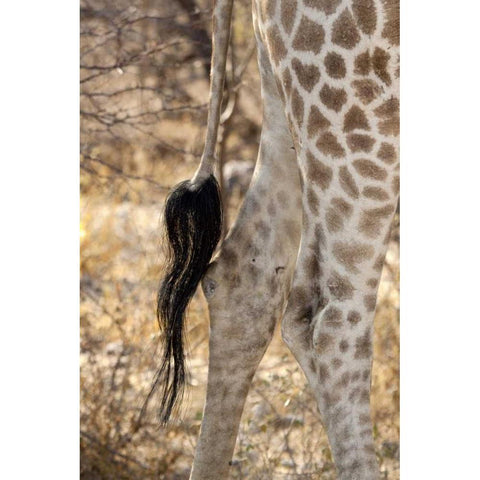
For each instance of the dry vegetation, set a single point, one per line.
(144, 89)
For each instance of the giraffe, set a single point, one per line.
(309, 242)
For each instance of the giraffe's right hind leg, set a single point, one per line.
(329, 320)
(247, 285)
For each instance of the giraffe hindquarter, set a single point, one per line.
(337, 70)
(336, 65)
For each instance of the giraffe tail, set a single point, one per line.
(193, 226)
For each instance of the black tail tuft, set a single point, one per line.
(193, 224)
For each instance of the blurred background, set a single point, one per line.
(144, 71)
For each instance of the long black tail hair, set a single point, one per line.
(193, 226)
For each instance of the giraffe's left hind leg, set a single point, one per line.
(247, 285)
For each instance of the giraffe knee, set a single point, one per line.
(296, 327)
(328, 330)
(304, 330)
(304, 306)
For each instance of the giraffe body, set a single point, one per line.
(310, 239)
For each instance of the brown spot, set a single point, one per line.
(396, 184)
(323, 342)
(342, 206)
(327, 6)
(354, 394)
(389, 112)
(318, 172)
(309, 37)
(297, 107)
(355, 118)
(319, 235)
(380, 60)
(334, 220)
(323, 372)
(275, 44)
(316, 122)
(333, 98)
(273, 323)
(288, 10)
(366, 90)
(267, 8)
(271, 209)
(337, 417)
(347, 182)
(370, 449)
(332, 317)
(233, 279)
(340, 287)
(378, 264)
(362, 63)
(229, 257)
(391, 28)
(337, 363)
(360, 143)
(253, 272)
(363, 345)
(263, 229)
(372, 220)
(328, 144)
(372, 282)
(282, 198)
(343, 435)
(250, 249)
(365, 14)
(389, 108)
(365, 398)
(368, 169)
(331, 399)
(273, 286)
(366, 374)
(350, 255)
(370, 301)
(335, 65)
(355, 377)
(298, 297)
(375, 193)
(313, 365)
(343, 346)
(296, 143)
(345, 378)
(344, 32)
(387, 153)
(312, 266)
(287, 82)
(312, 200)
(386, 239)
(307, 75)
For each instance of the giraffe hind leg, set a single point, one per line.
(246, 286)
